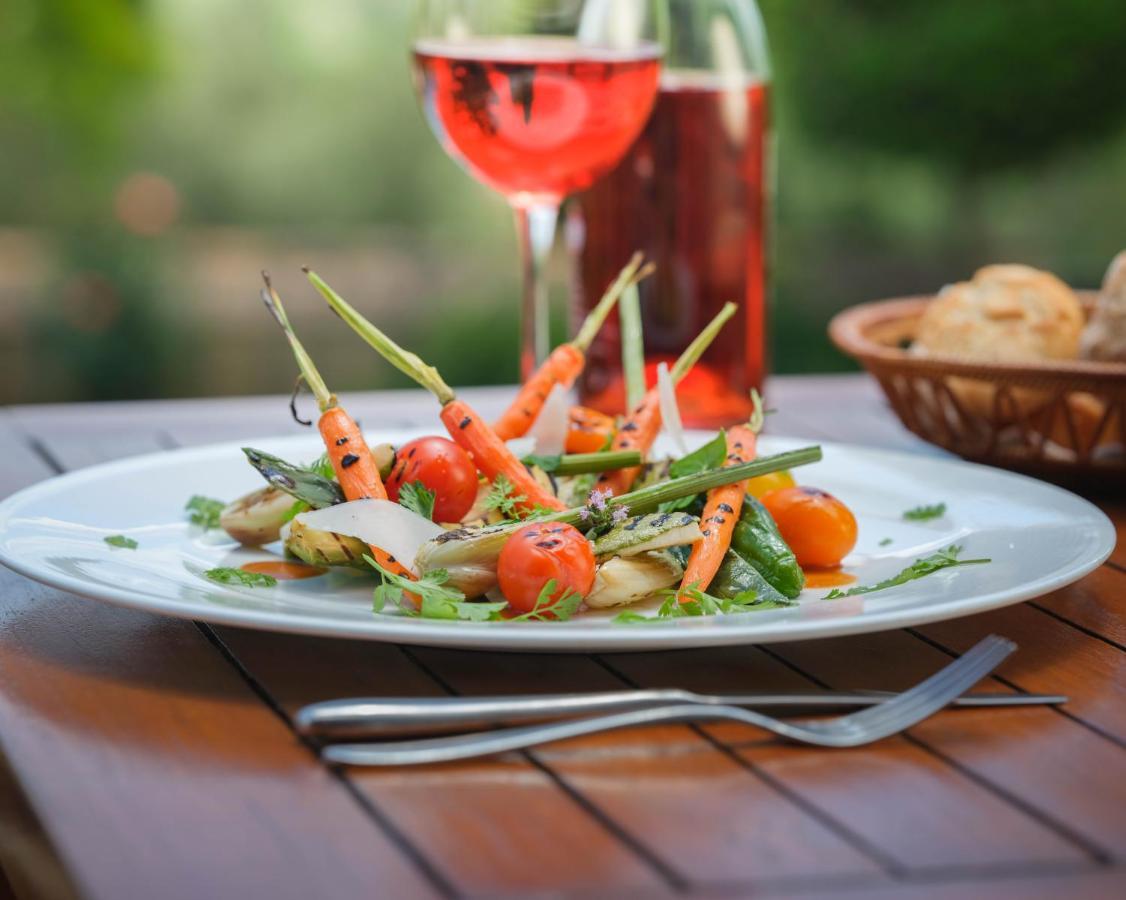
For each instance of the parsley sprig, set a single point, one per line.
(415, 496)
(120, 540)
(943, 559)
(925, 512)
(502, 497)
(440, 601)
(225, 575)
(545, 609)
(690, 602)
(204, 511)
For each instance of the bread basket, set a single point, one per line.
(1063, 421)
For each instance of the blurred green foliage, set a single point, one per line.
(918, 139)
(971, 85)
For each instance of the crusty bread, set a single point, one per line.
(1007, 313)
(1105, 336)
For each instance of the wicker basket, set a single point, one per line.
(1064, 421)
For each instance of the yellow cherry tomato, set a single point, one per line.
(762, 485)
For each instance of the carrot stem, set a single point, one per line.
(633, 346)
(403, 360)
(597, 317)
(325, 398)
(695, 350)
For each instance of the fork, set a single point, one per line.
(852, 730)
(383, 718)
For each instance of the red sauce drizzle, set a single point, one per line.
(284, 571)
(827, 578)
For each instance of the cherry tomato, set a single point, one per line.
(818, 527)
(587, 430)
(538, 553)
(442, 467)
(762, 485)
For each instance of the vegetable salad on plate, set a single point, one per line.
(551, 511)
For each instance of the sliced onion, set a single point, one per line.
(550, 427)
(521, 446)
(381, 523)
(670, 411)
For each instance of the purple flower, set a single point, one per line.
(584, 513)
(598, 498)
(621, 513)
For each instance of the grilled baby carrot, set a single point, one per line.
(473, 434)
(352, 461)
(566, 361)
(642, 426)
(588, 430)
(721, 511)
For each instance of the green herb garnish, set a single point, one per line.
(943, 559)
(546, 610)
(322, 466)
(415, 496)
(204, 511)
(711, 455)
(926, 513)
(439, 601)
(885, 542)
(699, 603)
(502, 499)
(120, 540)
(299, 506)
(224, 575)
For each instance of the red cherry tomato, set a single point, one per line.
(442, 467)
(538, 553)
(818, 527)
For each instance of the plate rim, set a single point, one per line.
(561, 637)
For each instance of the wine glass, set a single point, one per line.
(537, 99)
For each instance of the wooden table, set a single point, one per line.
(147, 757)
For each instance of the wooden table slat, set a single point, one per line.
(496, 812)
(930, 815)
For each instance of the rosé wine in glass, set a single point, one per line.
(535, 118)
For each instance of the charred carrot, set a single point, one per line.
(588, 430)
(566, 361)
(643, 424)
(352, 461)
(472, 433)
(721, 511)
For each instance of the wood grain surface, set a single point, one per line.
(148, 757)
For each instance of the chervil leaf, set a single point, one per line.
(546, 610)
(120, 540)
(322, 466)
(204, 511)
(691, 601)
(414, 496)
(925, 513)
(437, 600)
(943, 559)
(502, 499)
(224, 575)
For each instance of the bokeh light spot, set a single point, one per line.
(146, 203)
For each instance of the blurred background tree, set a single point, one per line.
(158, 153)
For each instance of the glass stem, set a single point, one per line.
(535, 231)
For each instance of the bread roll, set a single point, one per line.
(1105, 336)
(1007, 313)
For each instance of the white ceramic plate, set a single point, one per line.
(1039, 537)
